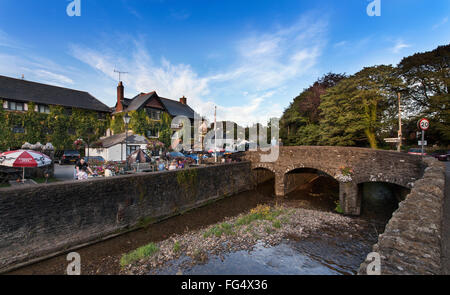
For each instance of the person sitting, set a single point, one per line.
(173, 165)
(161, 166)
(82, 168)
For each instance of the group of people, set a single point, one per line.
(82, 169)
(170, 165)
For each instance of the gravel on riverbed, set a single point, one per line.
(233, 235)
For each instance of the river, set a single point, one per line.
(329, 251)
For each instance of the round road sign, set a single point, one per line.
(424, 124)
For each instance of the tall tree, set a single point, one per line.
(299, 123)
(354, 110)
(428, 78)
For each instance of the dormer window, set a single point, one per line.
(16, 106)
(154, 114)
(42, 108)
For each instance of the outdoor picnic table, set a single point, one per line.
(7, 174)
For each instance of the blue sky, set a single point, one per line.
(250, 58)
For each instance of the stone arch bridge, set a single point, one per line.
(367, 165)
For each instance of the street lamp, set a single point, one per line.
(126, 119)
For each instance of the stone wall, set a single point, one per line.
(43, 220)
(411, 243)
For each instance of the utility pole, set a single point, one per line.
(399, 145)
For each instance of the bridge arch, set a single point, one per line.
(380, 197)
(312, 185)
(369, 165)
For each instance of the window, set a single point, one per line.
(154, 114)
(48, 130)
(18, 129)
(101, 116)
(16, 106)
(68, 112)
(42, 108)
(131, 149)
(153, 133)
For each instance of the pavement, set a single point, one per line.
(446, 225)
(64, 172)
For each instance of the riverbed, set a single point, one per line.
(331, 248)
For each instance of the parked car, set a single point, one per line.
(417, 152)
(69, 157)
(441, 155)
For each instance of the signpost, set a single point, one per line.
(392, 140)
(423, 125)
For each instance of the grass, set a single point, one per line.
(338, 208)
(219, 230)
(138, 254)
(276, 223)
(176, 247)
(42, 180)
(260, 213)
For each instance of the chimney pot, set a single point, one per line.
(183, 100)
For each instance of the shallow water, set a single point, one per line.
(325, 255)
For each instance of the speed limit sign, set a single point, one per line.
(424, 124)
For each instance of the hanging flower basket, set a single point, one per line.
(78, 144)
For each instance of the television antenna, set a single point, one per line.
(120, 73)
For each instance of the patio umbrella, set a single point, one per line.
(176, 155)
(139, 157)
(24, 159)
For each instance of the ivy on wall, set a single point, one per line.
(62, 128)
(141, 123)
(57, 127)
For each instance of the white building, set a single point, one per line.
(113, 148)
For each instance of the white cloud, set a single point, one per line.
(245, 91)
(399, 45)
(49, 76)
(441, 23)
(34, 69)
(7, 41)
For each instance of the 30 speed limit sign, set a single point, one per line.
(424, 124)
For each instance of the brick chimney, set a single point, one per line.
(183, 100)
(120, 91)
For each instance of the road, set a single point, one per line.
(446, 224)
(64, 172)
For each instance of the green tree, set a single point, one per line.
(353, 111)
(428, 78)
(299, 123)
